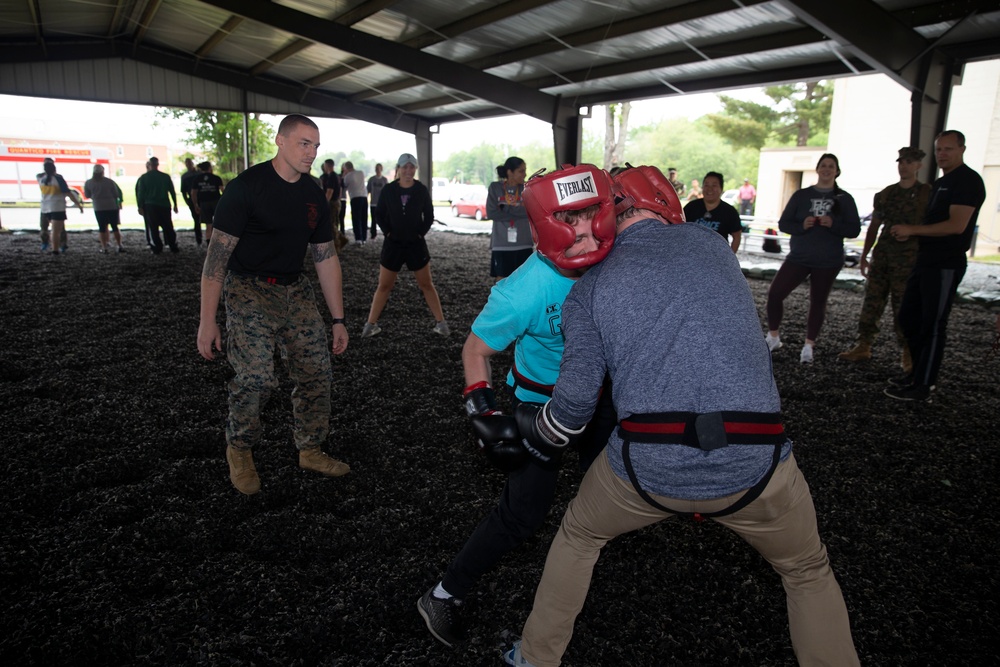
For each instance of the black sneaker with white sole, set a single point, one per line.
(904, 381)
(443, 617)
(915, 392)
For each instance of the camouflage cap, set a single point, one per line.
(911, 154)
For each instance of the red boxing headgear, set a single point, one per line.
(646, 187)
(570, 189)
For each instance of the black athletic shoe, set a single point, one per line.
(443, 617)
(904, 381)
(901, 380)
(914, 392)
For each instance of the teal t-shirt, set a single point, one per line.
(525, 308)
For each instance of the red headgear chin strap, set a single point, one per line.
(570, 189)
(646, 187)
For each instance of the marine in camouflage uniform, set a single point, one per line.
(891, 260)
(260, 317)
(266, 219)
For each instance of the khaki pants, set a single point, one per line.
(259, 317)
(780, 524)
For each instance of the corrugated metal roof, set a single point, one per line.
(435, 61)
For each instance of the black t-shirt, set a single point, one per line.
(274, 220)
(331, 182)
(187, 180)
(209, 188)
(404, 214)
(723, 218)
(960, 187)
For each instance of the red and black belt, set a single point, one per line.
(284, 281)
(705, 431)
(529, 384)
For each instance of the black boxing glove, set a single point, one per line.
(480, 399)
(500, 441)
(542, 435)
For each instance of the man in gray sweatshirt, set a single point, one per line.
(670, 317)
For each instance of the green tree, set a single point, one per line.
(694, 148)
(805, 110)
(219, 134)
(800, 116)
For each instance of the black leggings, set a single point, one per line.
(923, 318)
(789, 277)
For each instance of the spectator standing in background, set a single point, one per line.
(206, 190)
(106, 198)
(818, 218)
(354, 183)
(405, 214)
(695, 192)
(510, 240)
(343, 202)
(714, 213)
(187, 184)
(153, 192)
(945, 237)
(375, 185)
(53, 206)
(902, 203)
(747, 195)
(678, 185)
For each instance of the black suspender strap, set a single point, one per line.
(748, 497)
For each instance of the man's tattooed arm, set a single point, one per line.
(217, 259)
(323, 251)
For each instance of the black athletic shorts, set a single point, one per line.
(412, 253)
(505, 262)
(207, 211)
(107, 219)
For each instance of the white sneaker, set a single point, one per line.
(442, 328)
(773, 342)
(371, 330)
(807, 354)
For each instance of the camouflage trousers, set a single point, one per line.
(261, 317)
(886, 279)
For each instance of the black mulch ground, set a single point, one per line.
(123, 541)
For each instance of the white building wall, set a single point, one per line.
(869, 123)
(975, 111)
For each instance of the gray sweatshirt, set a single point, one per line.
(671, 318)
(511, 229)
(104, 193)
(819, 247)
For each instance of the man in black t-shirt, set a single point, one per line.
(945, 236)
(710, 211)
(206, 190)
(264, 222)
(187, 181)
(330, 182)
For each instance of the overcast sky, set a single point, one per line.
(39, 119)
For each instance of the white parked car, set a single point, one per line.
(732, 197)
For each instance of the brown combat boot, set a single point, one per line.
(860, 352)
(242, 471)
(314, 459)
(907, 361)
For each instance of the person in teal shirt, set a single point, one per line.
(524, 309)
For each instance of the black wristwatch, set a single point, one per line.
(339, 320)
